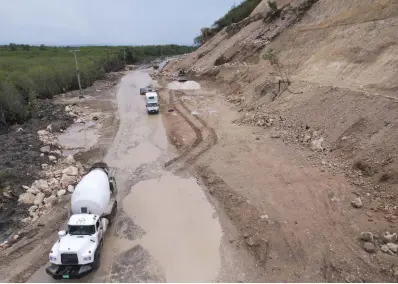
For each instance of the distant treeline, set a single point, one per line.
(234, 15)
(28, 73)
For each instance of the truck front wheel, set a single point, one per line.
(97, 259)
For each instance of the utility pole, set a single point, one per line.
(77, 69)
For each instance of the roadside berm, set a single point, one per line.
(293, 132)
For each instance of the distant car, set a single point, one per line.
(143, 91)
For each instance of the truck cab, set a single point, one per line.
(151, 102)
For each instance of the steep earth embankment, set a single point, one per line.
(319, 78)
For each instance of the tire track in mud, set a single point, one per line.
(208, 142)
(198, 132)
(211, 140)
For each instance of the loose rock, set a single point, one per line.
(67, 180)
(367, 237)
(71, 171)
(393, 247)
(389, 237)
(307, 138)
(39, 198)
(384, 248)
(54, 184)
(71, 188)
(50, 200)
(52, 158)
(61, 192)
(357, 202)
(369, 247)
(45, 149)
(316, 145)
(26, 198)
(34, 190)
(69, 160)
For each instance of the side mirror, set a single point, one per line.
(61, 233)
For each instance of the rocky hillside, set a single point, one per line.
(322, 75)
(329, 65)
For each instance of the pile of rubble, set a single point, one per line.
(58, 176)
(57, 180)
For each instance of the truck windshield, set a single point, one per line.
(152, 104)
(81, 230)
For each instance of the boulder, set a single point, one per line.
(71, 188)
(369, 247)
(56, 153)
(41, 184)
(50, 200)
(33, 208)
(39, 198)
(49, 128)
(69, 160)
(42, 132)
(367, 237)
(389, 237)
(357, 203)
(306, 138)
(71, 171)
(34, 190)
(44, 167)
(52, 158)
(45, 149)
(67, 180)
(57, 173)
(54, 184)
(27, 198)
(316, 145)
(393, 247)
(61, 192)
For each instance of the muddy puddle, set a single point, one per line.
(182, 231)
(79, 136)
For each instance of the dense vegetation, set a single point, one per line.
(29, 72)
(234, 15)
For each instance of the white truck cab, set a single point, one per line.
(151, 102)
(78, 245)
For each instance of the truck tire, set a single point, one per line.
(110, 216)
(97, 258)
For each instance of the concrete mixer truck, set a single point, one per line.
(78, 249)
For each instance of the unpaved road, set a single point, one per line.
(166, 229)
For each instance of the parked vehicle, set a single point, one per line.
(143, 91)
(182, 77)
(151, 102)
(78, 249)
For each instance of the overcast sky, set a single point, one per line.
(107, 22)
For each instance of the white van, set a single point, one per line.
(152, 104)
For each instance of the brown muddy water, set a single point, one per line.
(166, 229)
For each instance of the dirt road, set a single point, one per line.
(166, 229)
